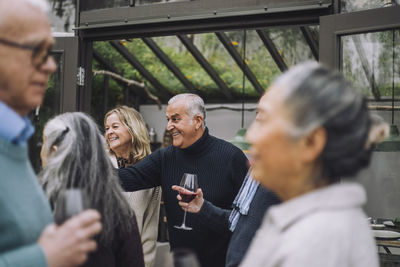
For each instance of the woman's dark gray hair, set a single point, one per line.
(80, 160)
(316, 96)
(194, 105)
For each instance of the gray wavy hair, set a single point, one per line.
(315, 96)
(194, 105)
(81, 161)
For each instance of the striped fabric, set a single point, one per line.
(242, 201)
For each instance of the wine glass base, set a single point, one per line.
(183, 227)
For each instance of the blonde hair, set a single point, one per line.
(136, 127)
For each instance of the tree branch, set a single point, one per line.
(129, 82)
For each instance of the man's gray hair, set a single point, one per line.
(194, 105)
(42, 4)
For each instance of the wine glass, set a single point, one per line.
(190, 184)
(69, 203)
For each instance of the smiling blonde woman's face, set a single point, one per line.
(117, 135)
(273, 152)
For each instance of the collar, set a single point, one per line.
(16, 129)
(200, 145)
(343, 195)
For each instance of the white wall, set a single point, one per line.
(221, 123)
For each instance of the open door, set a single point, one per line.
(60, 94)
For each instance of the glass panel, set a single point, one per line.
(356, 5)
(51, 106)
(367, 61)
(102, 99)
(62, 15)
(154, 65)
(291, 45)
(288, 41)
(101, 4)
(219, 58)
(258, 59)
(370, 61)
(187, 64)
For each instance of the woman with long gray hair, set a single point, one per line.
(309, 138)
(74, 156)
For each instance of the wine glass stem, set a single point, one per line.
(184, 219)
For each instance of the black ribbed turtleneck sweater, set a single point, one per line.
(220, 168)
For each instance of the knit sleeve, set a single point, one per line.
(215, 218)
(238, 169)
(145, 174)
(26, 256)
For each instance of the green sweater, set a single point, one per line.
(24, 209)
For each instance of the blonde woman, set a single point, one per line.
(128, 143)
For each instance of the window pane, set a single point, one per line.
(187, 64)
(291, 45)
(62, 15)
(356, 5)
(367, 61)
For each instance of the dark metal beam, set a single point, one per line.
(312, 40)
(170, 65)
(108, 66)
(206, 66)
(193, 25)
(239, 60)
(272, 50)
(165, 95)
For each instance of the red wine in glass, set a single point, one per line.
(190, 184)
(187, 196)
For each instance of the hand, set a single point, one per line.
(193, 206)
(68, 245)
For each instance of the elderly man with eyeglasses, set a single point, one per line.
(28, 236)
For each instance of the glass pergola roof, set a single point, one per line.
(220, 66)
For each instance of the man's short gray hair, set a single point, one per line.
(194, 105)
(42, 4)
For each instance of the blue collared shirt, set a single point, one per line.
(13, 127)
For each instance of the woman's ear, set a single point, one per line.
(54, 148)
(313, 144)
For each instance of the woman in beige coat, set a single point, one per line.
(128, 143)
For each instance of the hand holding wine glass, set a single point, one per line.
(189, 185)
(193, 206)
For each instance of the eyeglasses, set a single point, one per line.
(40, 53)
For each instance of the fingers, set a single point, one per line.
(86, 224)
(86, 218)
(199, 193)
(178, 188)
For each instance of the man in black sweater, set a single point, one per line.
(219, 165)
